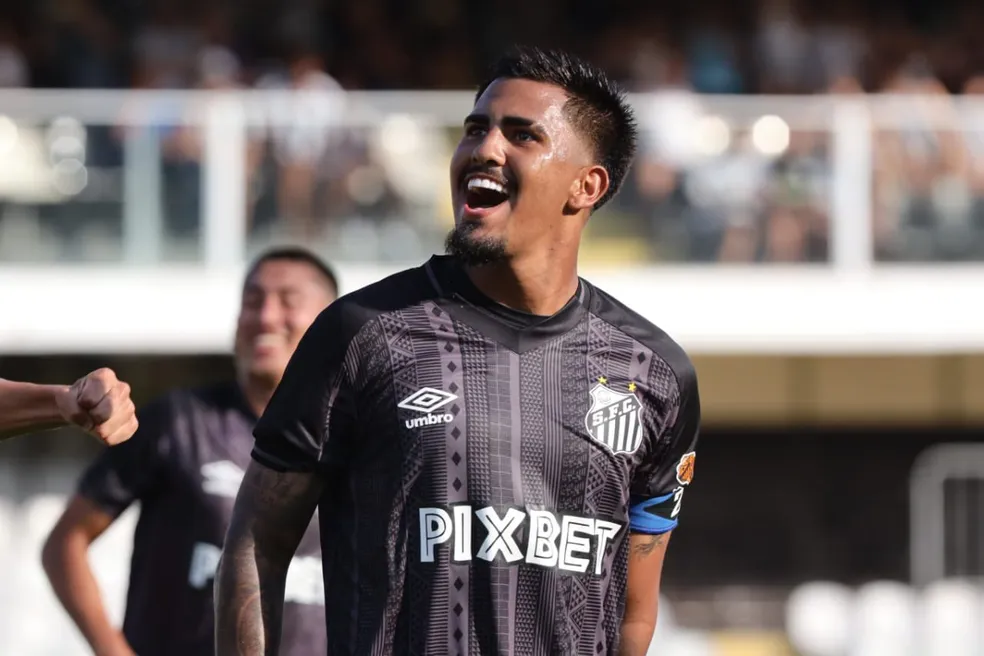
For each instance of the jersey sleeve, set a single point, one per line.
(310, 418)
(659, 481)
(131, 471)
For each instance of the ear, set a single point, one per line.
(588, 188)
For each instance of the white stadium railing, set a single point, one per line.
(850, 304)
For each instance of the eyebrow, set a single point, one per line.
(508, 121)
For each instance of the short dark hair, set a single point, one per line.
(294, 254)
(597, 106)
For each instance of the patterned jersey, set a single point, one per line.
(184, 466)
(482, 466)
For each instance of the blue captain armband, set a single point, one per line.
(656, 515)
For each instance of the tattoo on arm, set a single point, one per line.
(648, 544)
(271, 514)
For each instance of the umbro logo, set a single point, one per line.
(426, 400)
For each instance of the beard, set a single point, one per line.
(474, 251)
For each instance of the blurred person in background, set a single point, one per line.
(919, 165)
(303, 130)
(491, 384)
(973, 133)
(14, 72)
(795, 222)
(184, 466)
(98, 403)
(217, 69)
(668, 147)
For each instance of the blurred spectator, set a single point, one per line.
(216, 69)
(310, 177)
(796, 223)
(919, 166)
(839, 39)
(667, 148)
(973, 133)
(13, 65)
(301, 132)
(164, 49)
(772, 46)
(782, 44)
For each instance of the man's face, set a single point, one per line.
(514, 172)
(280, 301)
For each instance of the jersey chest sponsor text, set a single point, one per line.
(569, 543)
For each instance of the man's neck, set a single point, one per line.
(257, 393)
(540, 286)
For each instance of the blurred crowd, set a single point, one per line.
(739, 205)
(752, 46)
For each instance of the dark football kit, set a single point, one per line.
(483, 467)
(184, 467)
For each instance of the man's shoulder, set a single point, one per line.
(632, 324)
(349, 314)
(180, 403)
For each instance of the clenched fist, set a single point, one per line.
(99, 404)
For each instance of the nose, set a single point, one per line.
(271, 312)
(490, 151)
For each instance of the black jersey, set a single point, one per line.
(184, 466)
(482, 466)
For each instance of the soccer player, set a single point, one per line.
(185, 466)
(498, 449)
(97, 403)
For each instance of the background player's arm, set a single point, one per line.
(118, 477)
(66, 563)
(646, 554)
(272, 511)
(97, 403)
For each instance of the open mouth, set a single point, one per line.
(267, 342)
(482, 193)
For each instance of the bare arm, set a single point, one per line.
(272, 512)
(66, 562)
(646, 555)
(98, 403)
(26, 407)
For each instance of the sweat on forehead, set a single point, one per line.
(519, 104)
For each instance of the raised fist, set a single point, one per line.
(100, 404)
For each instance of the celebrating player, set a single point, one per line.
(498, 449)
(97, 403)
(185, 466)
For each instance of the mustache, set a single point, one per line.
(489, 172)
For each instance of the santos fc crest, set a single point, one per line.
(615, 418)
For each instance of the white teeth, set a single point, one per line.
(485, 183)
(268, 339)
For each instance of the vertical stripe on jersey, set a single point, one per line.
(600, 365)
(456, 481)
(400, 348)
(504, 436)
(571, 592)
(431, 366)
(374, 594)
(476, 398)
(541, 452)
(516, 429)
